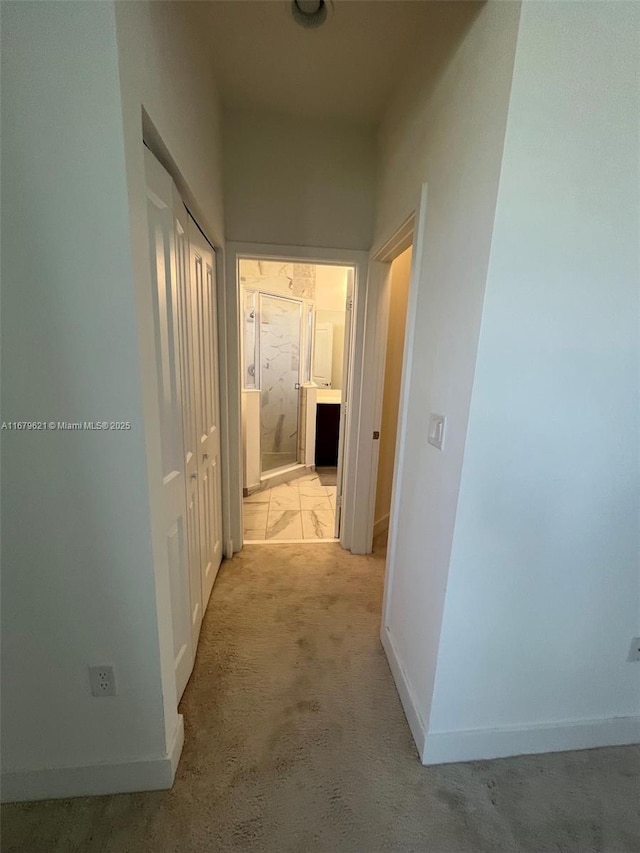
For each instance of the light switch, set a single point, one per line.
(436, 430)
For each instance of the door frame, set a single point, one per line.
(354, 508)
(378, 326)
(411, 232)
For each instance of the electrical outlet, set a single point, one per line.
(103, 680)
(634, 650)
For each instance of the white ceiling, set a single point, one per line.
(346, 69)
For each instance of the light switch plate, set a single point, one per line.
(435, 435)
(634, 650)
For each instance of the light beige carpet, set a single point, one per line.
(296, 743)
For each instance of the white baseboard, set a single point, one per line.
(175, 748)
(154, 774)
(405, 691)
(446, 747)
(381, 525)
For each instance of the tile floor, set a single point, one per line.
(300, 509)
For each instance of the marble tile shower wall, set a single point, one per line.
(288, 279)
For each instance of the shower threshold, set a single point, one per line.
(283, 475)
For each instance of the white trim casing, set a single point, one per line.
(230, 404)
(230, 466)
(375, 344)
(417, 261)
(365, 404)
(369, 403)
(153, 774)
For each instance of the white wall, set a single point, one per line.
(543, 594)
(165, 71)
(331, 287)
(331, 298)
(251, 438)
(78, 581)
(165, 68)
(84, 575)
(452, 138)
(293, 181)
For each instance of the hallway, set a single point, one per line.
(296, 741)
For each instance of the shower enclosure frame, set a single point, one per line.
(305, 331)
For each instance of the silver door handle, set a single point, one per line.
(297, 386)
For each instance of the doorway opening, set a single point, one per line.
(396, 270)
(397, 301)
(295, 319)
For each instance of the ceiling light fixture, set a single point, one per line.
(309, 13)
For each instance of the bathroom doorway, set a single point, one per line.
(295, 353)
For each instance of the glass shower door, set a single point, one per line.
(280, 326)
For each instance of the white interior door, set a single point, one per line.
(346, 390)
(189, 361)
(207, 408)
(166, 307)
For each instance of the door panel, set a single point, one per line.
(207, 408)
(186, 290)
(280, 327)
(179, 598)
(166, 307)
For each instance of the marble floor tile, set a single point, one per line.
(302, 508)
(291, 486)
(286, 524)
(283, 501)
(311, 490)
(253, 534)
(255, 511)
(309, 478)
(317, 502)
(318, 524)
(255, 521)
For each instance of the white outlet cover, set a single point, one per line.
(103, 680)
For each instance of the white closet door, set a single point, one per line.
(189, 360)
(207, 409)
(166, 307)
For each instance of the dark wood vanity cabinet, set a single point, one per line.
(327, 434)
